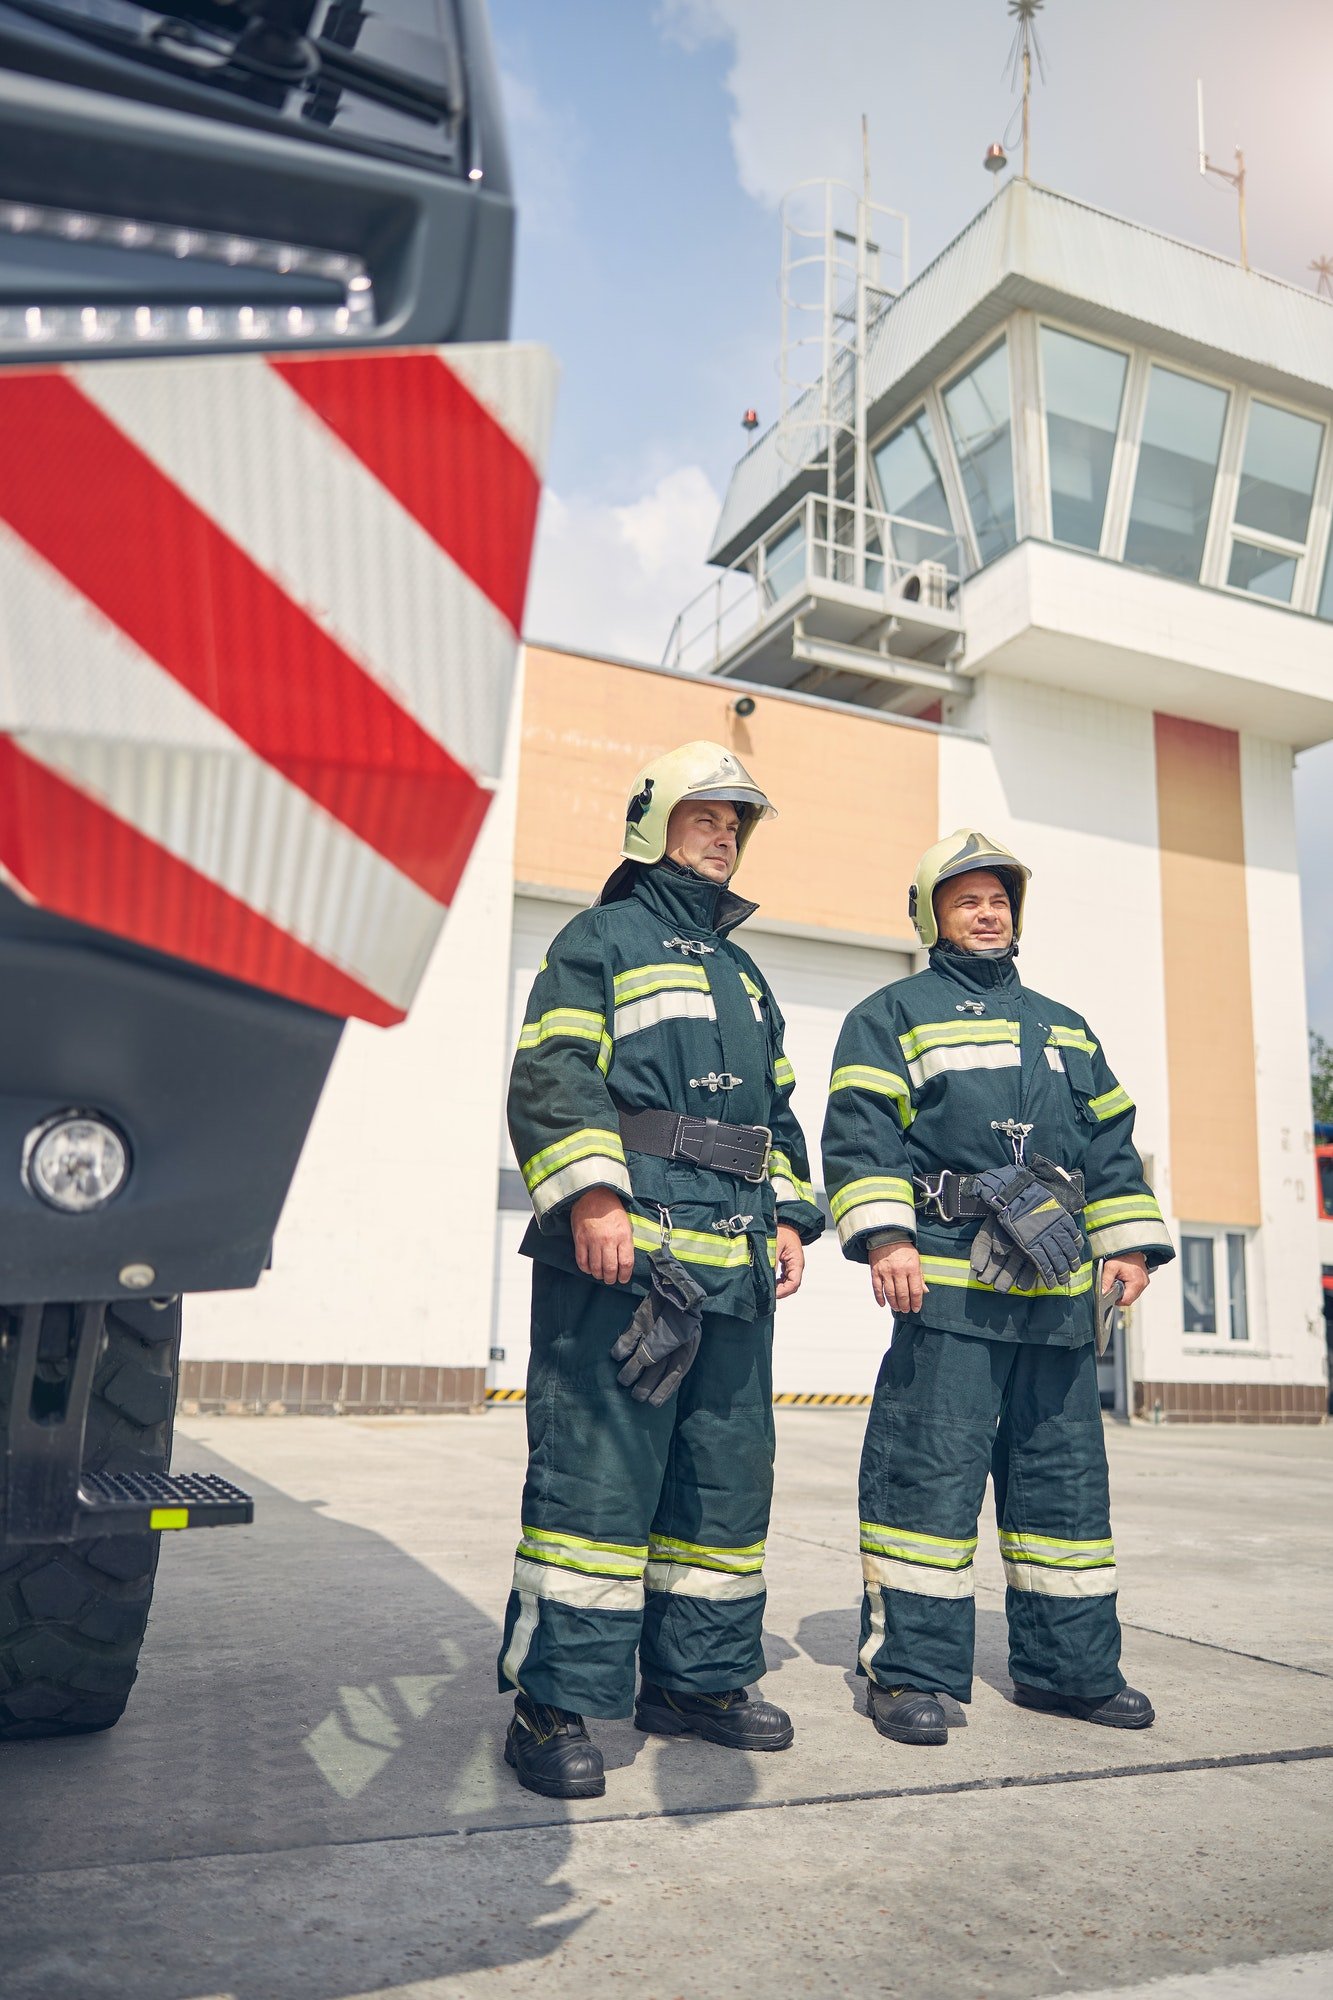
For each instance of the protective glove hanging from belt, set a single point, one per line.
(1029, 1231)
(659, 1344)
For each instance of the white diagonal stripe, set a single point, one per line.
(166, 765)
(328, 533)
(516, 385)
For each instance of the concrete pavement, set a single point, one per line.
(305, 1800)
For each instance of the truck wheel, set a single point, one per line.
(72, 1616)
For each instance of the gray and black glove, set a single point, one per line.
(1035, 1220)
(997, 1260)
(659, 1344)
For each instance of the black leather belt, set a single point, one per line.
(954, 1198)
(742, 1150)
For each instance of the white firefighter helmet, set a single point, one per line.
(695, 771)
(958, 854)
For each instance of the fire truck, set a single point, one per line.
(269, 472)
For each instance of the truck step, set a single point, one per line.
(133, 1503)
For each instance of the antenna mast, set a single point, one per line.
(1235, 180)
(1323, 269)
(1026, 46)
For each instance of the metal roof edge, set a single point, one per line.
(755, 688)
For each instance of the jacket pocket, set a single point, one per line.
(1082, 1082)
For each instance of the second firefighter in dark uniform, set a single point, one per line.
(979, 1155)
(650, 1111)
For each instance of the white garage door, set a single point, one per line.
(830, 1337)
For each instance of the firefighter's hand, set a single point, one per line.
(895, 1273)
(603, 1237)
(1132, 1271)
(791, 1261)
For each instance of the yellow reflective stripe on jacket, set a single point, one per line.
(737, 1562)
(780, 1168)
(696, 1246)
(1061, 1037)
(871, 1187)
(947, 1034)
(904, 1545)
(641, 980)
(1048, 1552)
(574, 1024)
(881, 1082)
(755, 991)
(564, 1153)
(783, 1074)
(957, 1272)
(1111, 1103)
(1121, 1208)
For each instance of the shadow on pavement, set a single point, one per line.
(304, 1684)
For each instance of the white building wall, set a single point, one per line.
(1289, 1341)
(385, 1250)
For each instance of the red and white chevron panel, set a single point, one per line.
(259, 620)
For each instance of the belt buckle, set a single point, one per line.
(933, 1195)
(761, 1171)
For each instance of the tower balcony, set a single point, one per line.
(851, 603)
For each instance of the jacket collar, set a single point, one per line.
(976, 974)
(688, 901)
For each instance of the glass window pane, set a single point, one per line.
(1240, 1312)
(977, 406)
(784, 561)
(1197, 1280)
(1277, 472)
(1326, 594)
(1083, 384)
(908, 466)
(1173, 492)
(1263, 572)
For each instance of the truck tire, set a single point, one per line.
(72, 1616)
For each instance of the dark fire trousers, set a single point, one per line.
(643, 1529)
(948, 1409)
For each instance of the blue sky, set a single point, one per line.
(653, 139)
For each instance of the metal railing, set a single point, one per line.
(816, 540)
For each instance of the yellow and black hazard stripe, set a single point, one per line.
(788, 1399)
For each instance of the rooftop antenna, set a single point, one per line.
(1235, 180)
(1323, 268)
(1026, 46)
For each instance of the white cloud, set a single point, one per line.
(610, 578)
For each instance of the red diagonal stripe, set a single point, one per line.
(440, 453)
(76, 858)
(87, 500)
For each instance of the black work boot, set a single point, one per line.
(908, 1715)
(550, 1751)
(731, 1719)
(1126, 1710)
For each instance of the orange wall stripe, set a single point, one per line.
(858, 801)
(1206, 967)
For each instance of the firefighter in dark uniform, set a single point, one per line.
(650, 1109)
(979, 1156)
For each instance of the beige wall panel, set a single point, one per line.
(858, 800)
(1206, 960)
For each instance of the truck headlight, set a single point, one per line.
(75, 1162)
